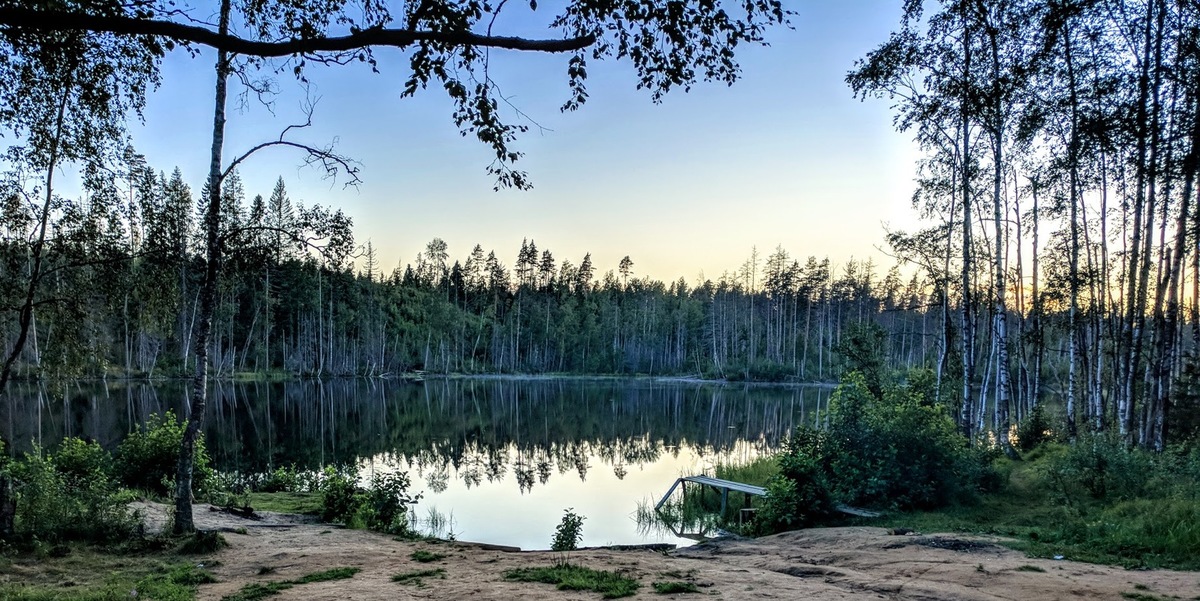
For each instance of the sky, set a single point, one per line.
(686, 188)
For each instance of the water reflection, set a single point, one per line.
(467, 442)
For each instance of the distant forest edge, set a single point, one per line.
(300, 298)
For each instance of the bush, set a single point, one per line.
(339, 495)
(1103, 468)
(1035, 430)
(898, 451)
(381, 506)
(71, 500)
(800, 495)
(148, 458)
(568, 533)
(385, 503)
(286, 479)
(82, 461)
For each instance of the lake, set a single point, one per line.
(500, 458)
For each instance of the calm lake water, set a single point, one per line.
(500, 457)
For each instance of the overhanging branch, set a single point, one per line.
(399, 38)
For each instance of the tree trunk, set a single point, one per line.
(208, 297)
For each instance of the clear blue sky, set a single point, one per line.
(784, 157)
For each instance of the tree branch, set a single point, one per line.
(73, 21)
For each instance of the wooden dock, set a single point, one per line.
(749, 490)
(722, 485)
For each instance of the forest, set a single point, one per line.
(1062, 144)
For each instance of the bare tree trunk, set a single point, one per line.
(208, 297)
(966, 407)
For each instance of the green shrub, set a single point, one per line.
(568, 533)
(76, 501)
(381, 506)
(340, 495)
(1103, 468)
(81, 461)
(148, 458)
(385, 503)
(800, 495)
(286, 479)
(898, 450)
(1035, 430)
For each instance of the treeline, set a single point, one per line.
(298, 297)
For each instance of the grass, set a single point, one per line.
(674, 586)
(308, 503)
(1143, 597)
(757, 472)
(327, 575)
(1029, 568)
(1136, 534)
(89, 574)
(261, 590)
(418, 577)
(202, 543)
(610, 585)
(423, 556)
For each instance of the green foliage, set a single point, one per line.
(1034, 430)
(897, 450)
(340, 495)
(81, 461)
(801, 495)
(417, 576)
(287, 479)
(863, 349)
(203, 542)
(148, 458)
(568, 533)
(1104, 468)
(758, 471)
(256, 591)
(1159, 530)
(382, 506)
(74, 500)
(423, 556)
(674, 586)
(106, 577)
(577, 578)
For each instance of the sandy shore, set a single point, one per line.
(818, 564)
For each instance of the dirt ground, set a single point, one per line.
(814, 565)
